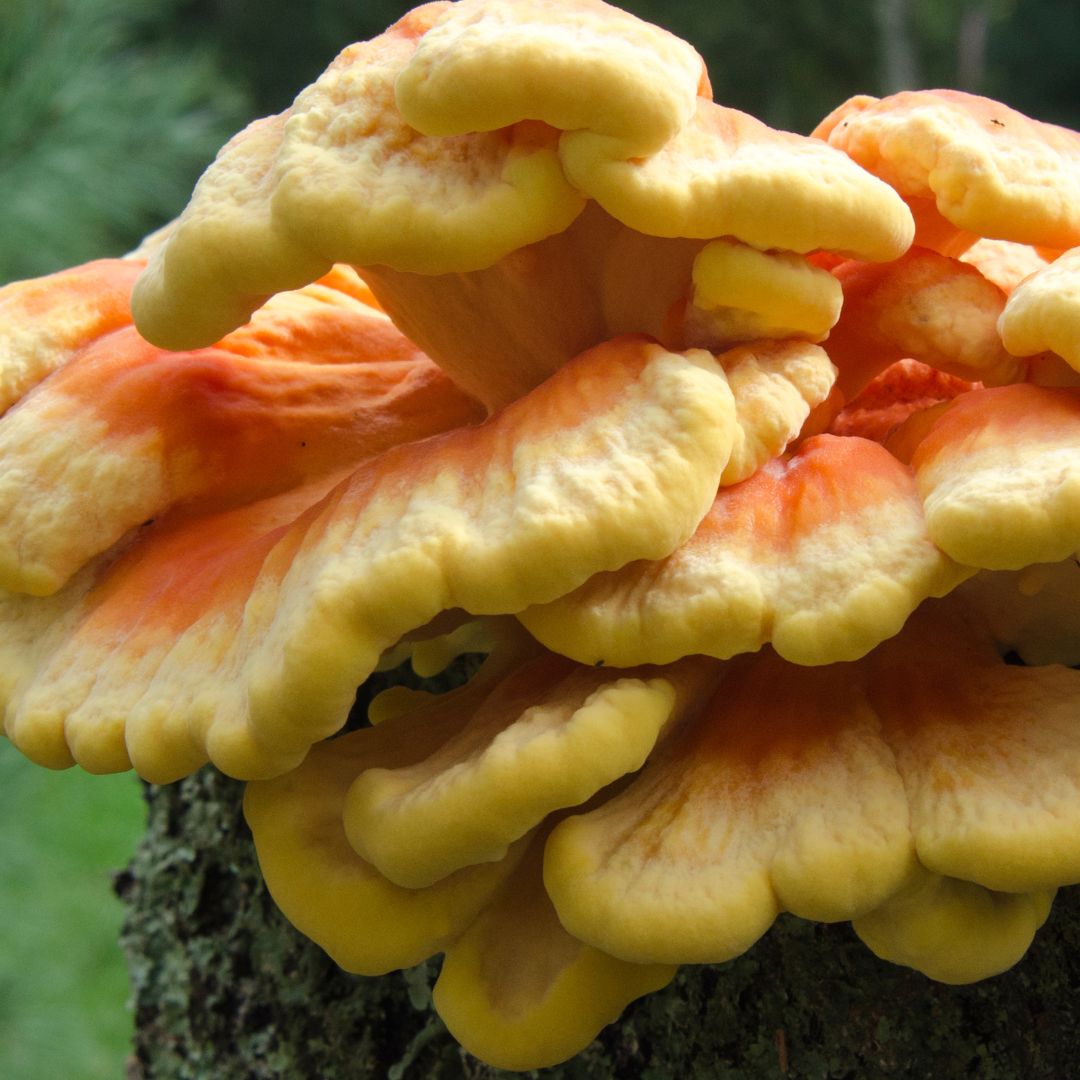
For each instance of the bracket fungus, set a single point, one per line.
(506, 338)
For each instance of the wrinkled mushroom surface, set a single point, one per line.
(506, 338)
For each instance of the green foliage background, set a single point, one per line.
(787, 61)
(103, 130)
(63, 982)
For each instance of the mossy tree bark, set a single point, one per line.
(225, 989)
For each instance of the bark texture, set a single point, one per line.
(225, 989)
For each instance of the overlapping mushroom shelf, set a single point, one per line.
(507, 338)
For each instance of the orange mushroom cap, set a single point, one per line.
(268, 616)
(967, 162)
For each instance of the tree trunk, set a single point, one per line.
(225, 989)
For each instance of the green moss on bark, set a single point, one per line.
(226, 989)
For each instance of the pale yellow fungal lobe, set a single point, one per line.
(1043, 312)
(520, 993)
(954, 931)
(343, 178)
(727, 174)
(367, 924)
(789, 295)
(999, 473)
(468, 802)
(616, 457)
(775, 385)
(798, 554)
(583, 65)
(357, 182)
(991, 171)
(775, 800)
(226, 255)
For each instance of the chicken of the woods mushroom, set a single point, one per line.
(746, 457)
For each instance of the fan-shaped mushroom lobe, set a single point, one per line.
(727, 174)
(343, 178)
(1043, 312)
(954, 931)
(366, 923)
(800, 555)
(616, 457)
(574, 64)
(45, 321)
(519, 992)
(136, 662)
(779, 796)
(992, 171)
(508, 768)
(999, 474)
(317, 381)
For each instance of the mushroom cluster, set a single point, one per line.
(751, 460)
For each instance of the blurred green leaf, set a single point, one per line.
(101, 137)
(63, 981)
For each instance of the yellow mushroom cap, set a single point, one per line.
(519, 992)
(824, 790)
(727, 174)
(616, 457)
(269, 616)
(467, 133)
(990, 170)
(578, 65)
(775, 295)
(779, 796)
(825, 555)
(999, 473)
(507, 769)
(367, 924)
(343, 178)
(1043, 312)
(954, 931)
